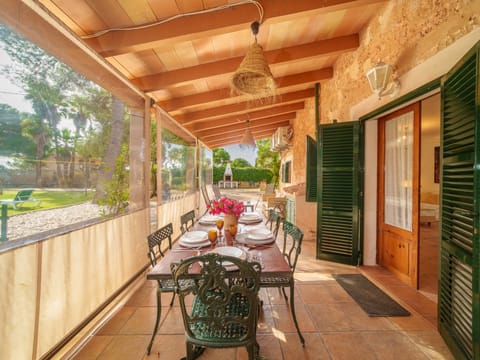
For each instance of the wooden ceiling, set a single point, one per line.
(183, 53)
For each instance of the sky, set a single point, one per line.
(235, 151)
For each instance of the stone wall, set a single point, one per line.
(405, 34)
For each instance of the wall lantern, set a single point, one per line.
(379, 80)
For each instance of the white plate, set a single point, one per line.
(196, 245)
(249, 220)
(250, 216)
(194, 237)
(209, 219)
(230, 251)
(260, 234)
(244, 239)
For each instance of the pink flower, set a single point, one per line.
(226, 206)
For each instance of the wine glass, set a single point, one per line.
(233, 231)
(220, 227)
(212, 236)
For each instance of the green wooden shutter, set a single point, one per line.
(338, 230)
(460, 191)
(311, 168)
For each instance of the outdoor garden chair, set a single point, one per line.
(292, 246)
(225, 308)
(274, 219)
(216, 191)
(21, 197)
(156, 241)
(187, 221)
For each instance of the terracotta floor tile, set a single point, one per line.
(347, 346)
(266, 321)
(431, 343)
(117, 322)
(131, 347)
(141, 321)
(172, 323)
(359, 319)
(412, 322)
(392, 345)
(314, 347)
(167, 347)
(284, 319)
(94, 347)
(329, 317)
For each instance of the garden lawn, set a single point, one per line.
(49, 200)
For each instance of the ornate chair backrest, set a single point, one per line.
(225, 301)
(155, 241)
(293, 236)
(274, 218)
(186, 221)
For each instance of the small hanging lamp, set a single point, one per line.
(248, 140)
(253, 77)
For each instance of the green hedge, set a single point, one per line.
(244, 174)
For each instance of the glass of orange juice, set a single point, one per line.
(212, 236)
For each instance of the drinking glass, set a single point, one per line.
(220, 227)
(212, 236)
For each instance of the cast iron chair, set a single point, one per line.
(187, 221)
(292, 246)
(155, 243)
(225, 308)
(274, 219)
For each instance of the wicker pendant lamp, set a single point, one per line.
(253, 77)
(247, 139)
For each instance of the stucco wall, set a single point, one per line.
(405, 34)
(306, 212)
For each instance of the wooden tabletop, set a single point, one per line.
(273, 261)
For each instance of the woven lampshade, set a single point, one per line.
(253, 77)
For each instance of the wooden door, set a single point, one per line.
(398, 161)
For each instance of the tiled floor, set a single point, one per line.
(334, 326)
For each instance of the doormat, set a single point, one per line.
(370, 298)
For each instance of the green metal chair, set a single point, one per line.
(155, 243)
(225, 307)
(187, 221)
(292, 246)
(274, 219)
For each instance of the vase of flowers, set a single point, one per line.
(231, 208)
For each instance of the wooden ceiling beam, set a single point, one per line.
(327, 47)
(241, 129)
(242, 107)
(190, 28)
(309, 77)
(221, 128)
(234, 119)
(230, 140)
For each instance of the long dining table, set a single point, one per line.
(272, 260)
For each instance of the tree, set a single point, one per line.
(266, 158)
(47, 82)
(220, 156)
(113, 149)
(240, 163)
(12, 141)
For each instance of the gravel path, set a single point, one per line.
(19, 226)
